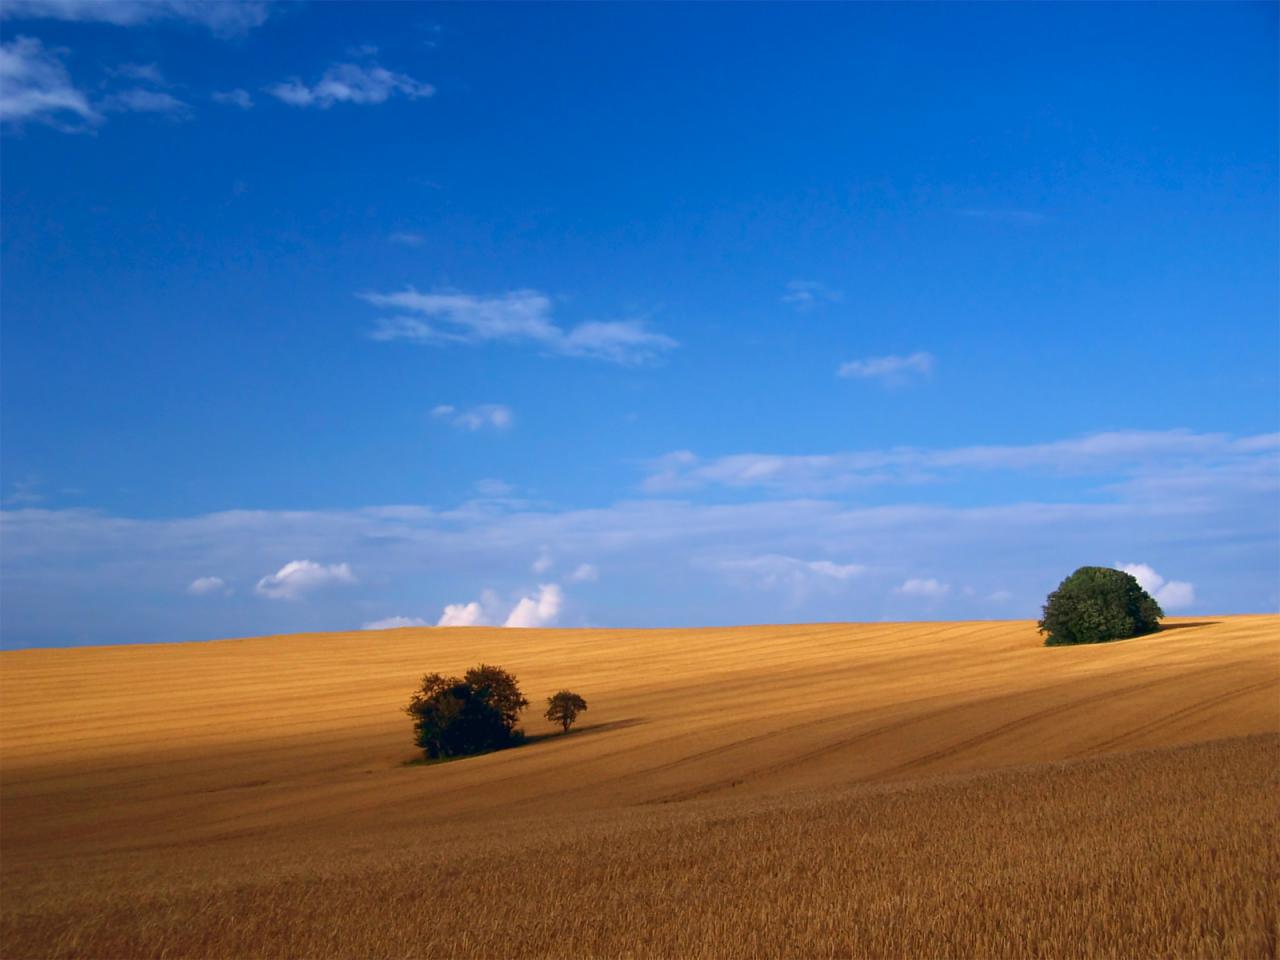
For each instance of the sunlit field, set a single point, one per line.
(812, 790)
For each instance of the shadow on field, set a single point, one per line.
(530, 739)
(1187, 626)
(588, 729)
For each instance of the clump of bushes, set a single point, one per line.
(1098, 604)
(477, 712)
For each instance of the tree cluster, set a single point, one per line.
(477, 712)
(1097, 604)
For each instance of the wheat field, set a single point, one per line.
(909, 789)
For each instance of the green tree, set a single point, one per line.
(458, 716)
(1097, 604)
(564, 708)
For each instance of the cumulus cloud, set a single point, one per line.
(220, 17)
(392, 623)
(299, 577)
(495, 415)
(35, 86)
(924, 587)
(891, 369)
(1170, 594)
(806, 294)
(235, 98)
(517, 317)
(462, 615)
(584, 573)
(350, 83)
(73, 575)
(540, 610)
(205, 585)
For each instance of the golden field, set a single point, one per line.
(923, 789)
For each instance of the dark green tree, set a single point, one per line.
(455, 717)
(1097, 604)
(564, 708)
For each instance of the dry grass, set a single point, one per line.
(869, 790)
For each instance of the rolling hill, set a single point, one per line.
(834, 789)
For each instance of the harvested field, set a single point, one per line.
(835, 789)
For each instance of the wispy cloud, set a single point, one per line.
(517, 317)
(407, 238)
(806, 294)
(495, 415)
(929, 588)
(222, 17)
(299, 577)
(584, 573)
(891, 369)
(798, 578)
(350, 83)
(35, 87)
(143, 100)
(235, 98)
(1146, 458)
(1192, 500)
(393, 623)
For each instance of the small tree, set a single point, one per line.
(1097, 604)
(564, 708)
(457, 716)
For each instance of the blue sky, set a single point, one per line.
(324, 315)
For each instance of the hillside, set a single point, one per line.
(145, 787)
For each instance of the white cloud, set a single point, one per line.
(798, 578)
(1168, 458)
(220, 16)
(618, 341)
(350, 83)
(891, 369)
(407, 238)
(520, 316)
(392, 623)
(145, 72)
(1170, 594)
(544, 563)
(921, 587)
(540, 610)
(205, 585)
(495, 415)
(142, 100)
(584, 573)
(35, 86)
(806, 294)
(236, 98)
(298, 577)
(1206, 502)
(462, 615)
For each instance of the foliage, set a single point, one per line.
(457, 716)
(1097, 604)
(564, 708)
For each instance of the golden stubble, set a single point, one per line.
(828, 789)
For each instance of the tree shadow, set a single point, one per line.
(587, 729)
(1187, 626)
(526, 740)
